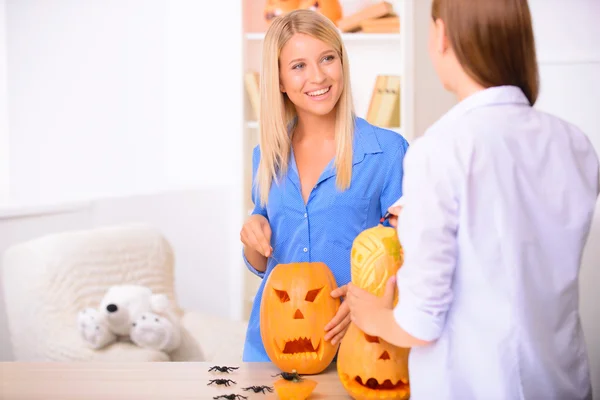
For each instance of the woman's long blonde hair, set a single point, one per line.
(277, 113)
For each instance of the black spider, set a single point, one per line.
(225, 382)
(222, 369)
(290, 376)
(230, 396)
(257, 389)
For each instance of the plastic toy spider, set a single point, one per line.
(290, 376)
(225, 382)
(230, 396)
(222, 368)
(257, 389)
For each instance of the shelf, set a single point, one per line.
(346, 37)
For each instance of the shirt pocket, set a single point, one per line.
(348, 218)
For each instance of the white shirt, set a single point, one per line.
(498, 201)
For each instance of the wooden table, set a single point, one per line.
(168, 380)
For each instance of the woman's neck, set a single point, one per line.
(312, 126)
(466, 87)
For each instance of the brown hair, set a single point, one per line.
(493, 41)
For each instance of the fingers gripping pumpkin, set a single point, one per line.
(369, 367)
(296, 305)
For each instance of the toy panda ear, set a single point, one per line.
(159, 303)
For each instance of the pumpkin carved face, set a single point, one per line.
(296, 305)
(369, 367)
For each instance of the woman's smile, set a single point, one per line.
(319, 94)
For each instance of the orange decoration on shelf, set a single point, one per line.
(369, 367)
(296, 305)
(332, 9)
(275, 8)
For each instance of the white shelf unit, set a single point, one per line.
(403, 54)
(347, 37)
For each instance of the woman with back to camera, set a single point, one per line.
(498, 199)
(321, 175)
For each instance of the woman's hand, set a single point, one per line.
(337, 327)
(394, 211)
(367, 311)
(256, 235)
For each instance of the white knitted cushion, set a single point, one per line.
(48, 280)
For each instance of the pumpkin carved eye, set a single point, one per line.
(312, 294)
(283, 295)
(371, 339)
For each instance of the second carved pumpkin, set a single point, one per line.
(295, 307)
(369, 367)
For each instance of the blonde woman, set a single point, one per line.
(321, 174)
(497, 205)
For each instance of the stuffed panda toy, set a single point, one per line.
(134, 313)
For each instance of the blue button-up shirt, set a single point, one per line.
(324, 228)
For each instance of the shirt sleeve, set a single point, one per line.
(427, 228)
(258, 208)
(392, 189)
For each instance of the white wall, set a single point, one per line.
(567, 34)
(4, 139)
(120, 97)
(428, 99)
(116, 97)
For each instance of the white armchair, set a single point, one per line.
(49, 279)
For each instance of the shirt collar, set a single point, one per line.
(364, 142)
(496, 95)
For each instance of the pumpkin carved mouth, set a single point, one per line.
(299, 348)
(364, 386)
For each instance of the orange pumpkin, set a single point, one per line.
(294, 387)
(332, 9)
(296, 305)
(369, 367)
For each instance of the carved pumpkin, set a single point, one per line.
(369, 367)
(332, 9)
(296, 305)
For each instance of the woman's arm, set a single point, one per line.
(256, 236)
(375, 316)
(392, 188)
(255, 259)
(427, 229)
(256, 232)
